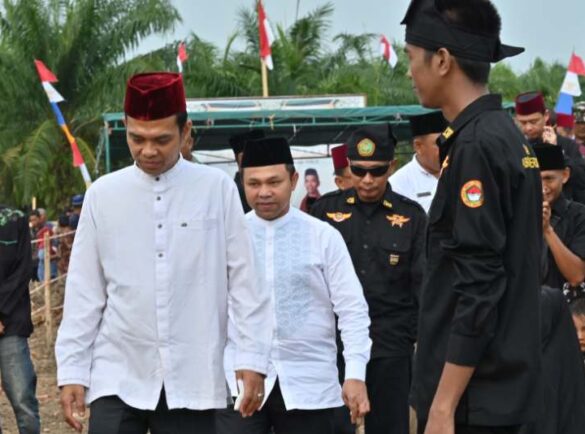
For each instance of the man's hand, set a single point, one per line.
(440, 423)
(546, 213)
(549, 136)
(73, 403)
(355, 396)
(253, 391)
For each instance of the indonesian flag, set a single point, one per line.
(47, 77)
(571, 84)
(266, 37)
(388, 52)
(181, 56)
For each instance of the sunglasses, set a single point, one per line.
(374, 171)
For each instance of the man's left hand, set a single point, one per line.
(355, 396)
(253, 391)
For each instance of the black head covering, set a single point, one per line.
(372, 143)
(428, 123)
(550, 157)
(426, 28)
(266, 152)
(238, 141)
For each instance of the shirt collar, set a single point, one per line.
(167, 176)
(276, 223)
(351, 197)
(419, 167)
(482, 104)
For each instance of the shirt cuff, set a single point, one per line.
(256, 362)
(70, 376)
(355, 370)
(466, 350)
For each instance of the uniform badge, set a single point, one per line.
(394, 259)
(397, 220)
(526, 149)
(387, 204)
(338, 217)
(448, 132)
(366, 148)
(472, 194)
(444, 165)
(351, 200)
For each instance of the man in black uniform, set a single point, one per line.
(563, 223)
(384, 233)
(237, 143)
(532, 117)
(478, 355)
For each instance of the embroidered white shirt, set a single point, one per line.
(154, 263)
(414, 182)
(306, 267)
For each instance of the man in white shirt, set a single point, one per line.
(306, 267)
(146, 303)
(418, 179)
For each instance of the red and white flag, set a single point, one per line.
(388, 52)
(266, 37)
(181, 56)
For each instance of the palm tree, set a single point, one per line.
(85, 43)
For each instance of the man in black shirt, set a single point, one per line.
(478, 355)
(18, 375)
(237, 143)
(384, 233)
(563, 223)
(532, 117)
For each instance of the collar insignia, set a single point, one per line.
(338, 217)
(351, 200)
(397, 220)
(394, 259)
(387, 204)
(444, 165)
(448, 132)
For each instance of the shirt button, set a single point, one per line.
(157, 178)
(363, 272)
(158, 198)
(368, 222)
(366, 247)
(160, 255)
(159, 226)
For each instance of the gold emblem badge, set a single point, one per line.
(351, 200)
(366, 148)
(444, 165)
(397, 220)
(394, 259)
(338, 217)
(448, 132)
(472, 194)
(387, 204)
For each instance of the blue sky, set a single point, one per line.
(550, 30)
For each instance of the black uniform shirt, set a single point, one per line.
(385, 241)
(15, 266)
(480, 296)
(568, 222)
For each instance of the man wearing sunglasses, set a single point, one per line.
(384, 233)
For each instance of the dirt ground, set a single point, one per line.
(44, 361)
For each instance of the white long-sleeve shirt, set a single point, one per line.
(154, 262)
(306, 267)
(414, 182)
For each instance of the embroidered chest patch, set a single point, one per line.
(472, 194)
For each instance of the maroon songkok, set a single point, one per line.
(154, 95)
(529, 103)
(339, 156)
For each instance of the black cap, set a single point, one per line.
(373, 143)
(238, 141)
(429, 123)
(426, 28)
(550, 157)
(266, 152)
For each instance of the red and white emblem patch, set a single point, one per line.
(472, 194)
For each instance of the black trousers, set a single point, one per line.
(468, 429)
(110, 415)
(388, 381)
(274, 418)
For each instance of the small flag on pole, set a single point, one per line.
(388, 52)
(571, 87)
(181, 56)
(47, 77)
(266, 37)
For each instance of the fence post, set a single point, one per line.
(47, 283)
